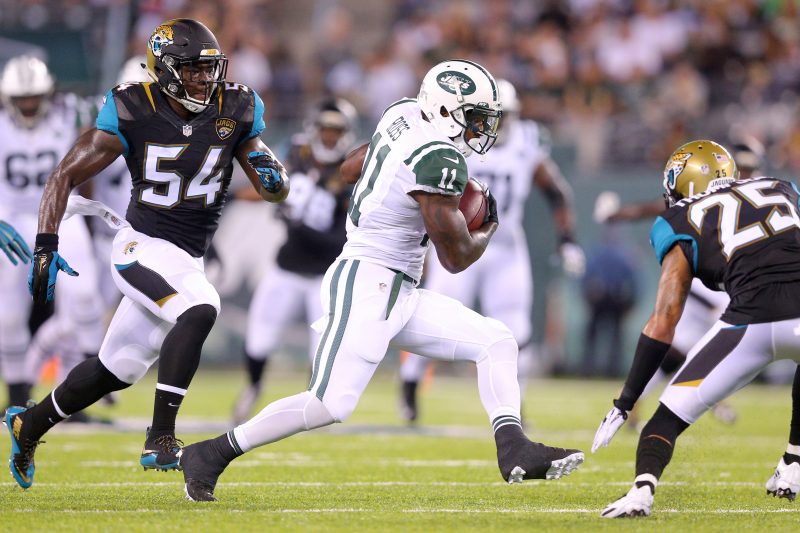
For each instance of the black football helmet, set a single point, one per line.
(185, 60)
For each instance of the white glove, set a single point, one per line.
(608, 428)
(606, 205)
(572, 258)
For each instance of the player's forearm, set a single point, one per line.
(456, 255)
(649, 355)
(275, 197)
(565, 223)
(54, 202)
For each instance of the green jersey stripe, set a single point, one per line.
(331, 311)
(433, 145)
(337, 340)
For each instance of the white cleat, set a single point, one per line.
(564, 467)
(637, 502)
(785, 482)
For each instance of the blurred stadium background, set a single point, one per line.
(618, 83)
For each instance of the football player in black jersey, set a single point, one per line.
(315, 216)
(740, 236)
(179, 135)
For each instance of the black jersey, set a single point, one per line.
(315, 212)
(743, 238)
(180, 169)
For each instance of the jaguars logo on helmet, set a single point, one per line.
(184, 51)
(696, 167)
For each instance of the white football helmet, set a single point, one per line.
(511, 108)
(461, 99)
(339, 117)
(25, 88)
(133, 71)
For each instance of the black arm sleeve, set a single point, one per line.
(648, 357)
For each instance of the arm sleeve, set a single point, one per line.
(663, 238)
(107, 120)
(438, 167)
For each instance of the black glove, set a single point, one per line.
(46, 264)
(491, 208)
(268, 169)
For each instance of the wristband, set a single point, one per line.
(46, 242)
(566, 238)
(648, 357)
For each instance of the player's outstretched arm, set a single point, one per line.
(637, 211)
(265, 172)
(558, 193)
(91, 153)
(654, 342)
(350, 169)
(456, 247)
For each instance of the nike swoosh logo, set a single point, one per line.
(453, 160)
(174, 404)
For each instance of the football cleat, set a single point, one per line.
(533, 460)
(21, 462)
(161, 453)
(244, 405)
(785, 482)
(637, 502)
(201, 469)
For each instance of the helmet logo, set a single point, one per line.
(161, 37)
(225, 127)
(675, 166)
(456, 82)
(721, 158)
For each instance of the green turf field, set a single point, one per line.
(373, 474)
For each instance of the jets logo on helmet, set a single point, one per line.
(456, 83)
(696, 167)
(461, 100)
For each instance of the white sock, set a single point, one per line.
(282, 418)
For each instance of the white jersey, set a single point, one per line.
(508, 171)
(406, 154)
(29, 156)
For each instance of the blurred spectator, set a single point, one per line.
(610, 289)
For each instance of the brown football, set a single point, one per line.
(473, 205)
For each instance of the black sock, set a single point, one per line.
(178, 361)
(508, 431)
(165, 411)
(794, 426)
(19, 393)
(226, 446)
(43, 416)
(657, 441)
(790, 458)
(255, 369)
(410, 394)
(85, 384)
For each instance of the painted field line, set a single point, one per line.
(197, 509)
(550, 484)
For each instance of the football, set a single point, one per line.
(473, 204)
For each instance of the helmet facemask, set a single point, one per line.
(479, 127)
(181, 75)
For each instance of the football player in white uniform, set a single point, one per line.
(37, 128)
(407, 195)
(519, 158)
(315, 216)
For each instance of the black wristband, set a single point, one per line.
(46, 242)
(648, 357)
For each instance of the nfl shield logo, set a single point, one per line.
(225, 127)
(187, 130)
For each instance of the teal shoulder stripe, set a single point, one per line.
(663, 238)
(347, 303)
(416, 152)
(491, 78)
(332, 307)
(397, 103)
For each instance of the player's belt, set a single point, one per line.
(406, 277)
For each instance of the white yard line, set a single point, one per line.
(197, 508)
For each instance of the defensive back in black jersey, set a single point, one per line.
(743, 238)
(180, 169)
(315, 212)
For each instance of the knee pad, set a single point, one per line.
(201, 317)
(129, 363)
(503, 349)
(315, 413)
(340, 406)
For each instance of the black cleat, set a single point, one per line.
(533, 460)
(201, 466)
